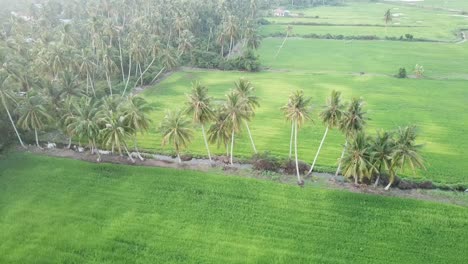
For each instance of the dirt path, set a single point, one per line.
(220, 166)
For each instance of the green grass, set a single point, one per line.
(440, 60)
(431, 24)
(65, 211)
(435, 106)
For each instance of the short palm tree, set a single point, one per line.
(115, 131)
(382, 147)
(357, 159)
(199, 106)
(135, 111)
(7, 98)
(297, 111)
(406, 152)
(331, 117)
(387, 18)
(84, 123)
(33, 114)
(236, 110)
(220, 132)
(353, 121)
(176, 130)
(245, 89)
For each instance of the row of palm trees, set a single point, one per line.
(228, 118)
(362, 156)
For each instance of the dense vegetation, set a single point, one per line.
(66, 211)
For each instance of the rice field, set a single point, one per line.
(67, 211)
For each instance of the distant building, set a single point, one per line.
(279, 12)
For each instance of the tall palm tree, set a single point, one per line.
(135, 111)
(289, 29)
(357, 160)
(406, 152)
(33, 114)
(245, 89)
(387, 18)
(382, 147)
(175, 129)
(331, 117)
(198, 105)
(8, 98)
(353, 121)
(297, 111)
(236, 111)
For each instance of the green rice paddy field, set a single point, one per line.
(364, 18)
(67, 211)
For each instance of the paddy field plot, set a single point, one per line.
(64, 211)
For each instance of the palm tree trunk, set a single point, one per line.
(109, 83)
(14, 126)
(376, 183)
(291, 141)
(91, 82)
(121, 60)
(157, 75)
(206, 142)
(129, 73)
(178, 158)
(142, 73)
(250, 135)
(128, 153)
(282, 44)
(299, 181)
(209, 39)
(341, 158)
(37, 139)
(318, 151)
(69, 142)
(392, 178)
(136, 148)
(230, 48)
(232, 146)
(97, 150)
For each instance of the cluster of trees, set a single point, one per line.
(226, 119)
(363, 157)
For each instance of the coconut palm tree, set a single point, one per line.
(245, 89)
(33, 114)
(357, 159)
(199, 106)
(331, 117)
(297, 111)
(84, 124)
(236, 111)
(387, 18)
(8, 98)
(115, 131)
(176, 130)
(353, 121)
(135, 111)
(220, 132)
(406, 152)
(382, 147)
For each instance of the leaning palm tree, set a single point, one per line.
(331, 117)
(175, 129)
(245, 89)
(198, 105)
(236, 111)
(297, 111)
(382, 147)
(135, 111)
(288, 32)
(7, 98)
(406, 153)
(33, 114)
(357, 160)
(352, 122)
